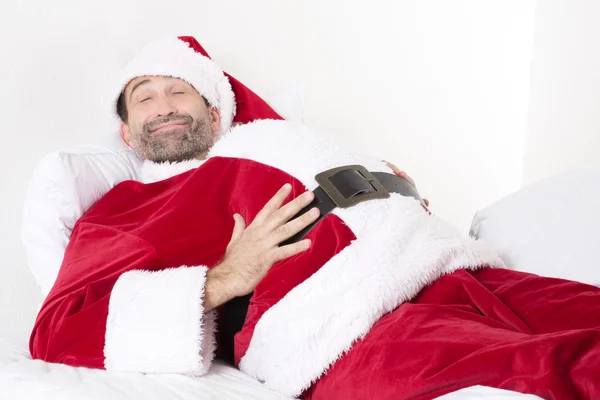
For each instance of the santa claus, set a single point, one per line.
(329, 278)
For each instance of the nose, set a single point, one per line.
(165, 107)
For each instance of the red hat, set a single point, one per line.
(184, 58)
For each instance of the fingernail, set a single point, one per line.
(308, 195)
(307, 243)
(287, 186)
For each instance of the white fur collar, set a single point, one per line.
(153, 172)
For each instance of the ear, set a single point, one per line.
(215, 117)
(125, 134)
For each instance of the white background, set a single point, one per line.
(447, 90)
(564, 113)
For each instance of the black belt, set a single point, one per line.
(347, 186)
(339, 187)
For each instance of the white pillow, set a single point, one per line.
(66, 183)
(549, 228)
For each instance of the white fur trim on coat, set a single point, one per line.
(398, 251)
(153, 172)
(156, 323)
(171, 56)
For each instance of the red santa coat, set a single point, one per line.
(129, 294)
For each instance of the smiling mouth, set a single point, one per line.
(168, 126)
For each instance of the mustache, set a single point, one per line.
(149, 126)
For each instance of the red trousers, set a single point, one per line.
(491, 327)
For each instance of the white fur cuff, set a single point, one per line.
(156, 323)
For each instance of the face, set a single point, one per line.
(168, 120)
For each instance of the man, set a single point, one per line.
(167, 120)
(338, 316)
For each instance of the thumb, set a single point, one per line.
(238, 228)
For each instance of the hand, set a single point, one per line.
(404, 175)
(254, 249)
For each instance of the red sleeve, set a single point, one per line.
(112, 307)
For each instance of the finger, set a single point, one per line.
(292, 208)
(404, 175)
(290, 250)
(294, 226)
(399, 173)
(391, 166)
(273, 204)
(239, 225)
(238, 228)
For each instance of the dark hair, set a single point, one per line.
(122, 107)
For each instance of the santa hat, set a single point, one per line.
(184, 58)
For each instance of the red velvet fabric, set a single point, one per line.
(492, 327)
(250, 106)
(185, 220)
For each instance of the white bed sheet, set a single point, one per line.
(24, 379)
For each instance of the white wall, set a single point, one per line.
(438, 87)
(564, 116)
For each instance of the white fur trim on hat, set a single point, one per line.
(171, 56)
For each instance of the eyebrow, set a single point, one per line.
(136, 86)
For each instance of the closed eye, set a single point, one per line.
(145, 99)
(178, 92)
